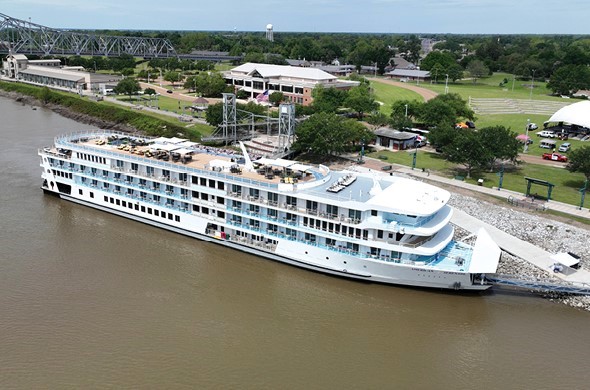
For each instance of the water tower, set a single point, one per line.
(269, 32)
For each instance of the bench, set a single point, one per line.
(462, 178)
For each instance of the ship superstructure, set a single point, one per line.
(367, 226)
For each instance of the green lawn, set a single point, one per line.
(387, 94)
(489, 88)
(566, 188)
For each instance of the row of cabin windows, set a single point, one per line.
(91, 157)
(204, 196)
(208, 211)
(336, 228)
(143, 209)
(67, 175)
(204, 182)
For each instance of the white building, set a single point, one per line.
(296, 83)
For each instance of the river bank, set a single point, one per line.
(67, 112)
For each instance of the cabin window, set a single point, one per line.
(332, 210)
(203, 181)
(211, 183)
(195, 180)
(379, 233)
(374, 213)
(220, 200)
(220, 185)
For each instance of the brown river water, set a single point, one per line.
(91, 300)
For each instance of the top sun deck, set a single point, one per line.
(182, 152)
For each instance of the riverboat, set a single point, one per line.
(368, 226)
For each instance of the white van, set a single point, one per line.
(547, 144)
(546, 134)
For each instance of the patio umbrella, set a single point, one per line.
(523, 137)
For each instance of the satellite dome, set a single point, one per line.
(269, 26)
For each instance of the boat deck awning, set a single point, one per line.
(486, 254)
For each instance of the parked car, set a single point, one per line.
(169, 91)
(533, 126)
(565, 147)
(470, 124)
(554, 157)
(546, 134)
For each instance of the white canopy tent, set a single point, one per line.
(575, 114)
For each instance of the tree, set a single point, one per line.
(467, 149)
(477, 69)
(214, 114)
(569, 79)
(500, 142)
(172, 77)
(329, 134)
(402, 112)
(209, 84)
(276, 98)
(579, 161)
(361, 100)
(460, 106)
(437, 113)
(328, 99)
(128, 86)
(149, 91)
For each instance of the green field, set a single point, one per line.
(387, 94)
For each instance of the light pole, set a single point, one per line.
(513, 77)
(406, 110)
(447, 84)
(532, 85)
(526, 138)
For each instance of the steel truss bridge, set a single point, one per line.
(25, 37)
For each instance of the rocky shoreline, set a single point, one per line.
(544, 232)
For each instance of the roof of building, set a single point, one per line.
(402, 63)
(104, 78)
(46, 72)
(409, 73)
(19, 57)
(269, 71)
(298, 62)
(394, 134)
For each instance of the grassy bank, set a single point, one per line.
(101, 111)
(566, 189)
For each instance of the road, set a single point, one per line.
(540, 161)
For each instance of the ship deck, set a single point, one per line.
(203, 158)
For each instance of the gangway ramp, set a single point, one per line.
(558, 286)
(517, 247)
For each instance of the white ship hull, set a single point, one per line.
(301, 255)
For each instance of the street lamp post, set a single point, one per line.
(406, 110)
(532, 85)
(447, 84)
(526, 138)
